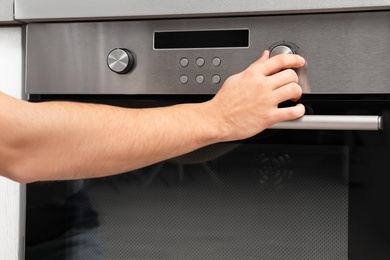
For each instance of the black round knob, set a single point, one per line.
(120, 60)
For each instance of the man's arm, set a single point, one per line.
(65, 140)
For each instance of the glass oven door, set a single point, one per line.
(284, 194)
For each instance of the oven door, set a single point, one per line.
(283, 194)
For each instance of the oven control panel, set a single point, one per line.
(121, 61)
(345, 53)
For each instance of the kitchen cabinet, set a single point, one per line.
(46, 10)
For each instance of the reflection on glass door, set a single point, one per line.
(227, 201)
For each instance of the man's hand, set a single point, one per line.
(248, 102)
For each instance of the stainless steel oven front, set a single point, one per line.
(315, 188)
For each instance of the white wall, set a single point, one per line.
(12, 195)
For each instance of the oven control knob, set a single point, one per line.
(120, 60)
(281, 49)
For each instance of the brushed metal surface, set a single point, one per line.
(12, 198)
(324, 122)
(44, 10)
(281, 49)
(6, 11)
(120, 61)
(345, 53)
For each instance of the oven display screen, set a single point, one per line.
(201, 39)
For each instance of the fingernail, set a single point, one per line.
(304, 61)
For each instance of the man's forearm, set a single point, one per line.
(71, 140)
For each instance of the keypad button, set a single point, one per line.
(183, 79)
(216, 62)
(199, 79)
(216, 79)
(199, 62)
(184, 62)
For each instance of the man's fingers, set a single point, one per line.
(264, 56)
(290, 113)
(290, 91)
(280, 62)
(283, 78)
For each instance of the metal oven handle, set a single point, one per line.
(332, 122)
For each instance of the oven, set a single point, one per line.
(312, 188)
